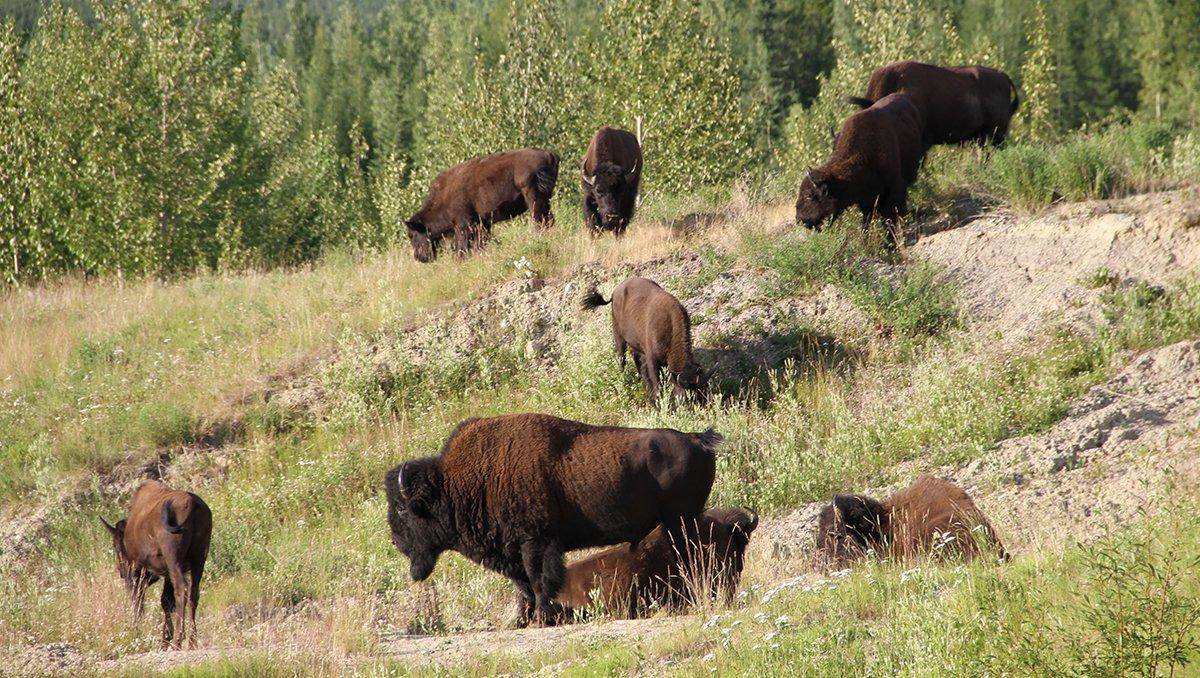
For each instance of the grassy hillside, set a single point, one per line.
(104, 383)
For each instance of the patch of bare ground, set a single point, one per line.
(1018, 272)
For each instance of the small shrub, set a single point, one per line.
(1085, 169)
(1022, 177)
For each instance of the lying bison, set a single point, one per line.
(656, 329)
(513, 493)
(965, 103)
(465, 200)
(611, 174)
(632, 579)
(929, 516)
(165, 536)
(875, 159)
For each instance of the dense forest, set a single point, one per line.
(157, 137)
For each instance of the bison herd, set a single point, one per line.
(515, 493)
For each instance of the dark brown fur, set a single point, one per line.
(633, 579)
(513, 493)
(656, 329)
(467, 199)
(612, 170)
(875, 159)
(957, 104)
(165, 536)
(930, 516)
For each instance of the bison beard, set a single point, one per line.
(467, 199)
(513, 493)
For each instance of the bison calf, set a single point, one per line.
(611, 174)
(959, 104)
(165, 536)
(929, 516)
(875, 158)
(655, 327)
(629, 579)
(465, 200)
(513, 493)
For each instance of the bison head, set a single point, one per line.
(608, 185)
(415, 514)
(816, 202)
(850, 525)
(424, 249)
(692, 382)
(135, 577)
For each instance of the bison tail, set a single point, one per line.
(168, 519)
(861, 102)
(593, 300)
(710, 440)
(547, 175)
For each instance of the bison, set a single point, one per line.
(960, 104)
(630, 579)
(611, 174)
(656, 329)
(467, 199)
(875, 159)
(929, 516)
(514, 492)
(165, 536)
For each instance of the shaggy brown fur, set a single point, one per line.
(875, 159)
(513, 493)
(165, 536)
(959, 104)
(656, 329)
(633, 579)
(930, 516)
(467, 199)
(612, 170)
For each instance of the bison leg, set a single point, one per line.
(539, 208)
(650, 375)
(466, 236)
(619, 347)
(527, 603)
(193, 601)
(546, 571)
(179, 583)
(591, 217)
(168, 608)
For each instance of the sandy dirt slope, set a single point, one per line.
(1016, 273)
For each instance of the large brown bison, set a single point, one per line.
(467, 199)
(959, 104)
(875, 159)
(931, 516)
(513, 493)
(635, 578)
(165, 536)
(612, 170)
(656, 329)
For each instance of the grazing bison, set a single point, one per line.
(875, 159)
(465, 200)
(931, 515)
(513, 493)
(611, 174)
(629, 579)
(165, 536)
(655, 327)
(965, 103)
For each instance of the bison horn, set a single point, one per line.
(400, 480)
(591, 181)
(753, 522)
(631, 173)
(111, 528)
